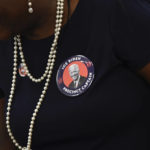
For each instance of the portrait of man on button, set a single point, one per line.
(77, 79)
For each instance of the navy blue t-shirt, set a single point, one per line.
(113, 113)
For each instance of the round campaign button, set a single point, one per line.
(22, 70)
(75, 75)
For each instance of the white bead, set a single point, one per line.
(42, 96)
(7, 122)
(32, 122)
(37, 107)
(36, 110)
(19, 44)
(20, 48)
(7, 113)
(45, 88)
(30, 10)
(29, 4)
(10, 96)
(15, 47)
(39, 103)
(29, 138)
(8, 108)
(31, 126)
(43, 92)
(34, 114)
(7, 118)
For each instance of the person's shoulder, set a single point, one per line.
(100, 7)
(102, 3)
(106, 2)
(134, 5)
(128, 4)
(139, 10)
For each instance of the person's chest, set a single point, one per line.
(113, 98)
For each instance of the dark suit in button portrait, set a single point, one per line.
(74, 73)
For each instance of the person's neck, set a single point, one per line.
(46, 26)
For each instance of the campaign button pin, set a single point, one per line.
(75, 75)
(22, 70)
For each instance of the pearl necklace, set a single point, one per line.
(47, 74)
(57, 32)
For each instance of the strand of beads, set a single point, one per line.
(17, 42)
(30, 9)
(13, 85)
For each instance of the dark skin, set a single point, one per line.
(145, 72)
(40, 24)
(34, 26)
